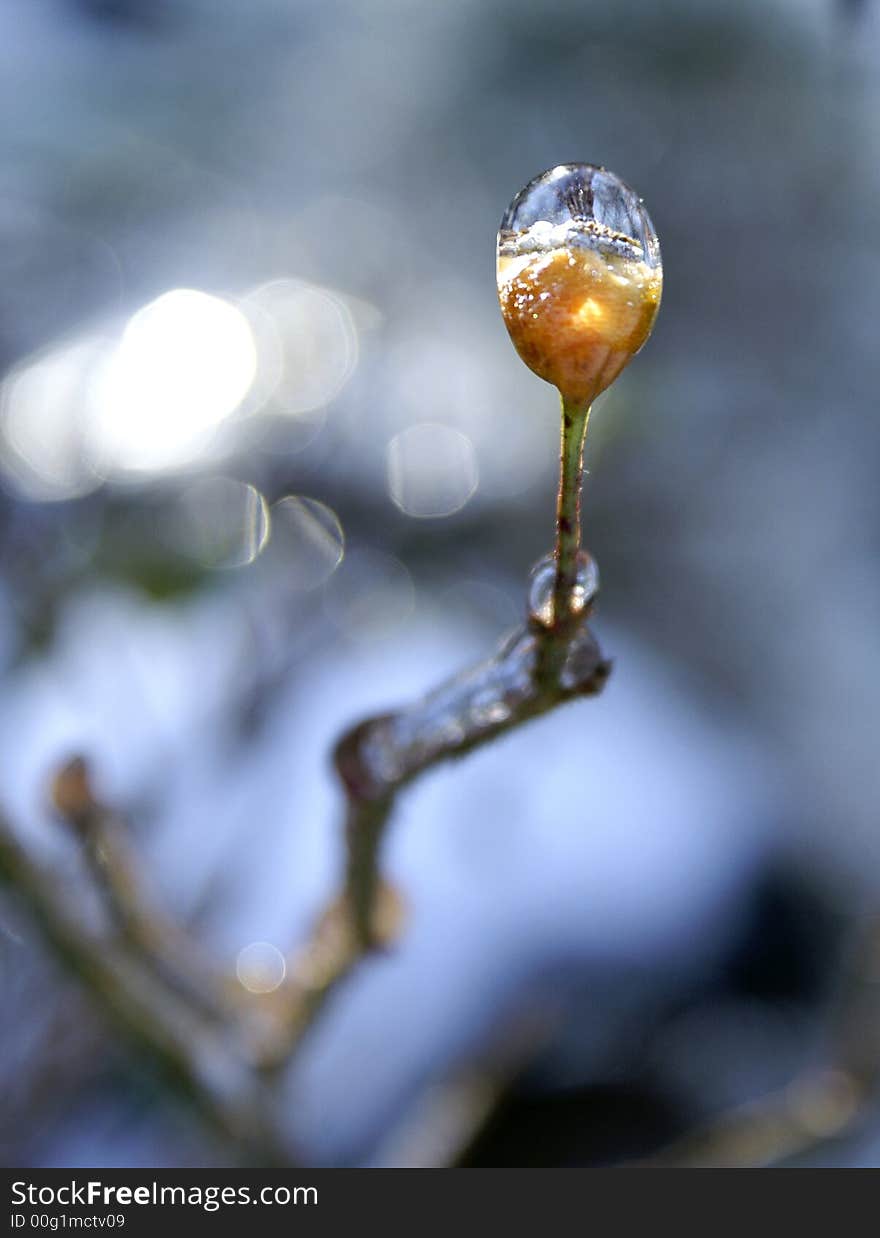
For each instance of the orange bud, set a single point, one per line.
(579, 277)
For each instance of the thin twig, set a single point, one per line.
(198, 1057)
(164, 946)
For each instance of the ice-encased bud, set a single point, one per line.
(579, 277)
(543, 580)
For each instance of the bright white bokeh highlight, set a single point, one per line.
(189, 380)
(184, 364)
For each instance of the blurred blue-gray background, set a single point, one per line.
(269, 463)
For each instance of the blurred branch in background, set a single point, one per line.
(192, 1053)
(156, 940)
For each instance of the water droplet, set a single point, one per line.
(432, 470)
(307, 541)
(260, 967)
(578, 233)
(580, 662)
(541, 587)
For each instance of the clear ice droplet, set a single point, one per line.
(579, 276)
(543, 578)
(582, 207)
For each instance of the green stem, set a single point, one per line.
(575, 417)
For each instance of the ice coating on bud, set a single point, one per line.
(579, 277)
(542, 581)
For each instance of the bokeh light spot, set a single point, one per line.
(41, 431)
(307, 543)
(432, 470)
(317, 339)
(260, 967)
(221, 522)
(184, 363)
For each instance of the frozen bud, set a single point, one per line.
(579, 277)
